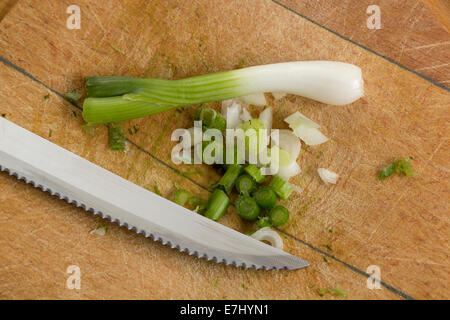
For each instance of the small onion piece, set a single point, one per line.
(231, 111)
(269, 235)
(245, 115)
(279, 95)
(288, 141)
(306, 129)
(298, 119)
(287, 164)
(256, 99)
(266, 117)
(99, 231)
(328, 176)
(288, 171)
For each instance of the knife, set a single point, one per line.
(61, 173)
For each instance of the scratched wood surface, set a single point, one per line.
(400, 225)
(414, 33)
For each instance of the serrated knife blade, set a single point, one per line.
(78, 181)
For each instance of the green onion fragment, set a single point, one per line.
(181, 197)
(278, 216)
(228, 180)
(282, 188)
(245, 184)
(73, 95)
(255, 173)
(247, 208)
(265, 197)
(217, 205)
(333, 291)
(116, 137)
(399, 166)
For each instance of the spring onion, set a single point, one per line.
(226, 183)
(278, 216)
(181, 197)
(281, 187)
(265, 197)
(245, 184)
(247, 208)
(306, 129)
(328, 176)
(263, 222)
(217, 205)
(196, 201)
(255, 173)
(269, 235)
(116, 137)
(113, 99)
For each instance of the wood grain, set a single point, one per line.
(5, 6)
(400, 225)
(410, 32)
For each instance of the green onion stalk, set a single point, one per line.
(114, 99)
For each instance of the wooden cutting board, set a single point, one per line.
(400, 225)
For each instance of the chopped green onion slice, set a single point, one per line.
(226, 183)
(181, 197)
(217, 205)
(210, 118)
(282, 188)
(278, 216)
(245, 184)
(247, 208)
(265, 197)
(196, 201)
(116, 136)
(255, 173)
